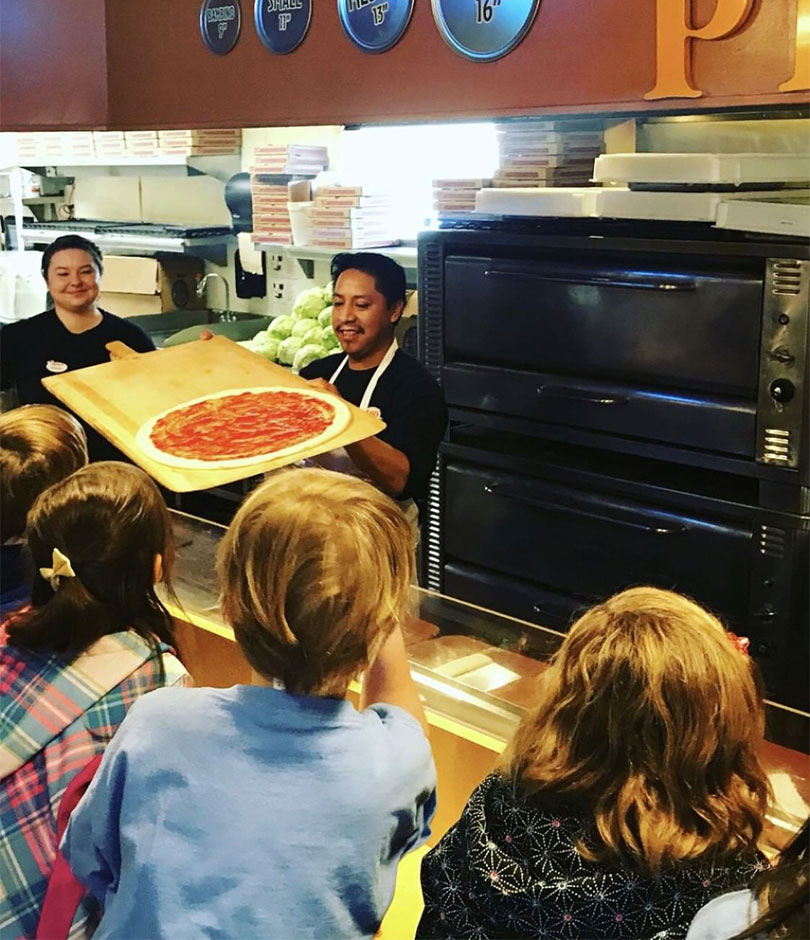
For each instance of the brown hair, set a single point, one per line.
(315, 571)
(39, 445)
(652, 718)
(110, 520)
(783, 893)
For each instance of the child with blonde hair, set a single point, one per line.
(275, 809)
(94, 640)
(39, 445)
(629, 796)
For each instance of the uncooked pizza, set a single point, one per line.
(243, 426)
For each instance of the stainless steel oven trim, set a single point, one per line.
(782, 408)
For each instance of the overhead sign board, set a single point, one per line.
(484, 29)
(375, 25)
(220, 24)
(282, 24)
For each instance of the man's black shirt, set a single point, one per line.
(411, 403)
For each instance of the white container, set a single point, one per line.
(301, 221)
(696, 169)
(576, 202)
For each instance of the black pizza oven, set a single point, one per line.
(629, 404)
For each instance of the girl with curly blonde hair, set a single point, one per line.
(631, 794)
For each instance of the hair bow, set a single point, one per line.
(62, 568)
(741, 643)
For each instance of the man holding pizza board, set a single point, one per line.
(375, 375)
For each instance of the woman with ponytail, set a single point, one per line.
(95, 638)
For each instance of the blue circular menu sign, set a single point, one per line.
(282, 24)
(375, 25)
(484, 29)
(220, 22)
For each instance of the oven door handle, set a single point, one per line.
(494, 490)
(571, 393)
(639, 281)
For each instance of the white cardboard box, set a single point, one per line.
(193, 200)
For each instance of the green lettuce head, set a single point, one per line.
(306, 354)
(308, 304)
(281, 327)
(288, 348)
(265, 345)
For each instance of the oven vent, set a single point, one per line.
(787, 277)
(431, 310)
(431, 533)
(777, 446)
(772, 541)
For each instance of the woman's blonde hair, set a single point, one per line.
(39, 445)
(315, 571)
(651, 718)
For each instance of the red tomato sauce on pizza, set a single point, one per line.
(249, 424)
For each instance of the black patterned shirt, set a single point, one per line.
(510, 868)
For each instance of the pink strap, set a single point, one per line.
(65, 891)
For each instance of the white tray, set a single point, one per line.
(702, 168)
(574, 201)
(771, 216)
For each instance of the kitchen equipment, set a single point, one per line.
(628, 404)
(118, 397)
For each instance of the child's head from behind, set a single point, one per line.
(39, 445)
(109, 520)
(315, 571)
(652, 716)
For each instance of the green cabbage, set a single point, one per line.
(308, 304)
(327, 292)
(325, 316)
(281, 327)
(306, 354)
(265, 345)
(305, 327)
(329, 338)
(288, 348)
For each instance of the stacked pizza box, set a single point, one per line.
(293, 159)
(142, 143)
(352, 217)
(456, 195)
(192, 143)
(55, 146)
(546, 153)
(110, 143)
(271, 196)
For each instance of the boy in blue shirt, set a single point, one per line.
(275, 809)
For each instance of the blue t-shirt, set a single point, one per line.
(250, 812)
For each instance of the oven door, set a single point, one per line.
(587, 544)
(657, 351)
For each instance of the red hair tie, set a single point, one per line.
(741, 643)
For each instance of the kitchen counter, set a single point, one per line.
(476, 671)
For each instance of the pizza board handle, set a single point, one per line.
(119, 350)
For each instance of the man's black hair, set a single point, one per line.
(71, 241)
(389, 277)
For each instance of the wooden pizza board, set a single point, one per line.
(117, 397)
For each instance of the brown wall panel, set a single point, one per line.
(53, 70)
(580, 55)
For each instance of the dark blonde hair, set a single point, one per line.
(39, 445)
(652, 718)
(315, 573)
(110, 520)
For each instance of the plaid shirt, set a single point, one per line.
(53, 719)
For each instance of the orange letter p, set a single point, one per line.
(673, 33)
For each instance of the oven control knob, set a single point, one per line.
(782, 390)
